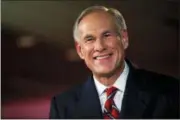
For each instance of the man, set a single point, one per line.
(116, 89)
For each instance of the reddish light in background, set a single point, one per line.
(32, 108)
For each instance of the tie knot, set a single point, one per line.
(111, 91)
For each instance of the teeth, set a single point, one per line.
(102, 57)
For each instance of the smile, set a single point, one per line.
(102, 56)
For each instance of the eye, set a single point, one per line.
(107, 34)
(89, 38)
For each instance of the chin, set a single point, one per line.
(104, 73)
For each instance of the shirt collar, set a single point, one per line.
(120, 83)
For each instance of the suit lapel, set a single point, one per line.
(88, 105)
(134, 104)
(134, 101)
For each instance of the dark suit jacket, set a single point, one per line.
(147, 95)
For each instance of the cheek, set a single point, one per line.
(115, 44)
(86, 50)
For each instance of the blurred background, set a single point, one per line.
(38, 58)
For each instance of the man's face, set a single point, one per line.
(100, 45)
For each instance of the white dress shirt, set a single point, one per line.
(120, 84)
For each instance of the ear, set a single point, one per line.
(125, 40)
(79, 50)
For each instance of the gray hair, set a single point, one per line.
(119, 19)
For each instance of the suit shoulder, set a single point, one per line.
(158, 82)
(63, 101)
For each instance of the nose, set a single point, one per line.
(99, 45)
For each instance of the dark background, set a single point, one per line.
(38, 58)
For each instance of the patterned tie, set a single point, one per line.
(110, 109)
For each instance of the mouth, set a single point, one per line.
(99, 57)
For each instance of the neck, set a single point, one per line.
(109, 80)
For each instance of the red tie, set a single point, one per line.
(110, 109)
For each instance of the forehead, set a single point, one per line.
(96, 21)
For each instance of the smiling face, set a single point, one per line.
(100, 45)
